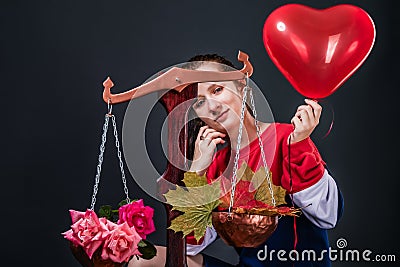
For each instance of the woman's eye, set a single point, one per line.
(199, 103)
(217, 90)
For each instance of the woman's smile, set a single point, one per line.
(222, 116)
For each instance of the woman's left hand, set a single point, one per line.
(305, 120)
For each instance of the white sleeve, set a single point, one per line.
(209, 237)
(323, 197)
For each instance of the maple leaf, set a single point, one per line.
(197, 204)
(243, 195)
(252, 186)
(194, 219)
(260, 182)
(198, 199)
(244, 173)
(193, 196)
(270, 211)
(192, 179)
(244, 190)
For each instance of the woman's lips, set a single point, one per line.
(221, 116)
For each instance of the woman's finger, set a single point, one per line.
(208, 131)
(218, 140)
(214, 135)
(206, 141)
(317, 109)
(296, 123)
(201, 131)
(310, 113)
(305, 118)
(308, 109)
(211, 134)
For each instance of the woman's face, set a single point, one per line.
(218, 104)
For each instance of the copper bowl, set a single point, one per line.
(243, 230)
(96, 260)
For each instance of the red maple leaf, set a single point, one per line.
(243, 196)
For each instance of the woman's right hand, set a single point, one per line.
(205, 147)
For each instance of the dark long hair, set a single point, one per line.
(196, 123)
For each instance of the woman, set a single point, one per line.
(294, 161)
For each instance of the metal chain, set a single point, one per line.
(253, 107)
(121, 164)
(236, 161)
(100, 160)
(239, 139)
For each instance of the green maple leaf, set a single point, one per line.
(193, 196)
(244, 173)
(260, 182)
(197, 204)
(195, 219)
(192, 179)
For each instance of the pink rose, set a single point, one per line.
(121, 243)
(139, 216)
(87, 231)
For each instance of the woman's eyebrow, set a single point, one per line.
(211, 87)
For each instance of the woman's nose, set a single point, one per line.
(214, 106)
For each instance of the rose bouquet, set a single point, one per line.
(113, 236)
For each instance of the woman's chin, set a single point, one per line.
(224, 127)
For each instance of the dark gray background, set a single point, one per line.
(56, 54)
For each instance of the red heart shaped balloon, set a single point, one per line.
(318, 50)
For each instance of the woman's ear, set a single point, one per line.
(241, 84)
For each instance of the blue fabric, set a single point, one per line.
(214, 262)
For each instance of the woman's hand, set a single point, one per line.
(305, 120)
(205, 146)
